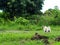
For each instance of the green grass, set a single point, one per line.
(56, 43)
(22, 42)
(23, 37)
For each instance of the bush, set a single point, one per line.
(21, 21)
(56, 21)
(45, 20)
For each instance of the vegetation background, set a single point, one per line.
(26, 15)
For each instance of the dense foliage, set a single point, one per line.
(16, 8)
(26, 15)
(53, 16)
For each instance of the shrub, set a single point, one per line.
(21, 21)
(45, 20)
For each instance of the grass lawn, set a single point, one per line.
(24, 37)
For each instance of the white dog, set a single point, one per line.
(46, 29)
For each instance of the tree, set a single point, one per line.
(54, 15)
(53, 12)
(19, 7)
